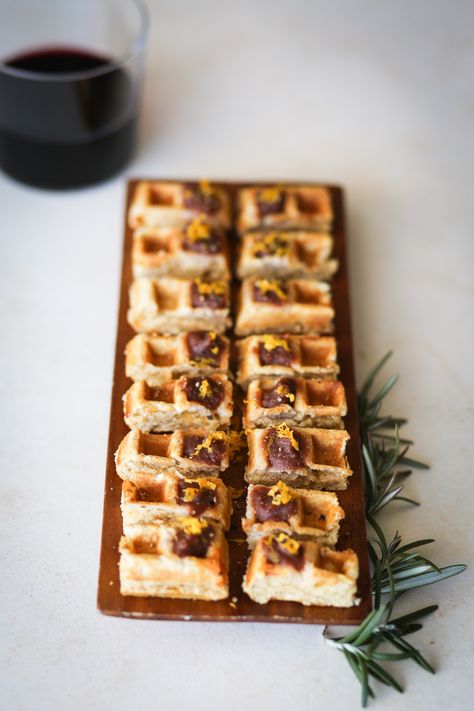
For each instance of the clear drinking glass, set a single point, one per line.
(70, 76)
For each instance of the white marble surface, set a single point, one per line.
(377, 96)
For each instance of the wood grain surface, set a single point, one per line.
(238, 607)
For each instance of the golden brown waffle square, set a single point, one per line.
(151, 499)
(184, 559)
(301, 513)
(156, 359)
(298, 401)
(309, 458)
(165, 204)
(277, 306)
(278, 356)
(285, 207)
(193, 453)
(286, 255)
(197, 249)
(282, 568)
(171, 306)
(186, 402)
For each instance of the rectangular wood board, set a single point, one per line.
(238, 607)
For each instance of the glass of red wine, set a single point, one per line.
(70, 76)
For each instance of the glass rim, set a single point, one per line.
(134, 50)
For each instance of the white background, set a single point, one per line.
(377, 96)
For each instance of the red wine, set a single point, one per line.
(61, 129)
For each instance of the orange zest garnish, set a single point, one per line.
(205, 388)
(271, 342)
(283, 390)
(198, 230)
(284, 431)
(192, 526)
(207, 443)
(274, 243)
(289, 544)
(211, 287)
(266, 285)
(280, 494)
(270, 195)
(205, 187)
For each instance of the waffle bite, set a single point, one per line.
(301, 513)
(170, 306)
(186, 558)
(297, 401)
(156, 359)
(286, 255)
(186, 402)
(277, 306)
(194, 453)
(309, 458)
(284, 355)
(197, 249)
(283, 568)
(304, 207)
(159, 499)
(164, 204)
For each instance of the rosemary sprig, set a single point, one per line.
(396, 568)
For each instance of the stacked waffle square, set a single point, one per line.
(187, 402)
(278, 356)
(175, 507)
(185, 558)
(283, 568)
(277, 254)
(294, 404)
(160, 205)
(284, 306)
(172, 306)
(285, 207)
(185, 252)
(193, 453)
(157, 359)
(302, 513)
(303, 402)
(309, 457)
(168, 496)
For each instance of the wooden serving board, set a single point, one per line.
(238, 607)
